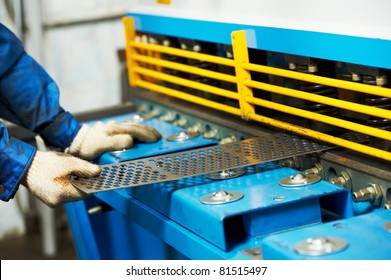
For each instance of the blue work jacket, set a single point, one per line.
(29, 98)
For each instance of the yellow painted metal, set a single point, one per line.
(186, 68)
(165, 2)
(375, 132)
(183, 53)
(145, 66)
(130, 36)
(324, 137)
(370, 89)
(352, 106)
(186, 82)
(239, 47)
(188, 97)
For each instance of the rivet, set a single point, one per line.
(221, 197)
(182, 136)
(320, 246)
(299, 180)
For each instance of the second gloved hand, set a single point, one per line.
(92, 141)
(48, 177)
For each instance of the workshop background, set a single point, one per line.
(275, 123)
(77, 43)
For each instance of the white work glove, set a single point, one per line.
(48, 177)
(91, 142)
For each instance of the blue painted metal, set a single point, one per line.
(107, 235)
(141, 150)
(83, 235)
(134, 230)
(282, 217)
(359, 50)
(223, 224)
(353, 230)
(112, 235)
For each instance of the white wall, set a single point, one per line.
(349, 17)
(82, 57)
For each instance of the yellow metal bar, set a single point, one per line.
(324, 137)
(377, 112)
(130, 35)
(187, 83)
(186, 68)
(375, 132)
(239, 47)
(135, 62)
(188, 97)
(184, 53)
(370, 89)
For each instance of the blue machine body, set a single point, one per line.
(259, 212)
(168, 221)
(364, 242)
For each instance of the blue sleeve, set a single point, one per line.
(15, 158)
(30, 98)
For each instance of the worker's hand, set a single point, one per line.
(91, 142)
(48, 177)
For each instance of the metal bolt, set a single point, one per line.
(211, 133)
(292, 65)
(370, 193)
(312, 68)
(342, 180)
(168, 117)
(356, 77)
(381, 80)
(152, 114)
(229, 139)
(196, 48)
(166, 43)
(180, 122)
(291, 162)
(182, 136)
(152, 40)
(317, 170)
(195, 128)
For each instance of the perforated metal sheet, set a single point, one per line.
(196, 162)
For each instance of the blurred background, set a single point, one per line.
(77, 42)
